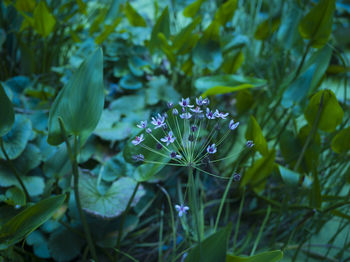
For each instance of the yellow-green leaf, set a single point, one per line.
(269, 256)
(226, 11)
(192, 9)
(316, 26)
(341, 142)
(44, 21)
(108, 29)
(134, 18)
(162, 26)
(331, 113)
(232, 62)
(255, 134)
(25, 5)
(267, 27)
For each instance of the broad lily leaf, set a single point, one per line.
(162, 26)
(192, 9)
(135, 19)
(341, 141)
(81, 101)
(28, 220)
(44, 21)
(7, 115)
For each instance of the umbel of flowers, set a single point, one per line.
(190, 135)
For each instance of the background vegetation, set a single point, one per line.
(279, 67)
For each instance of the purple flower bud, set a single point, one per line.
(199, 101)
(220, 115)
(185, 102)
(175, 155)
(185, 115)
(236, 177)
(148, 130)
(206, 101)
(194, 128)
(250, 144)
(138, 158)
(143, 124)
(175, 112)
(159, 146)
(170, 105)
(197, 110)
(233, 125)
(211, 149)
(210, 114)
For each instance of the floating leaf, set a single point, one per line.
(44, 21)
(269, 256)
(341, 141)
(134, 18)
(28, 220)
(255, 134)
(7, 115)
(81, 101)
(107, 204)
(331, 114)
(213, 248)
(16, 140)
(316, 26)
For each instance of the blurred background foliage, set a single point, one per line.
(281, 68)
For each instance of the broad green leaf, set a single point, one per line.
(226, 11)
(289, 177)
(192, 9)
(313, 150)
(130, 82)
(182, 40)
(108, 29)
(213, 248)
(106, 201)
(316, 26)
(166, 48)
(25, 5)
(269, 256)
(28, 220)
(80, 102)
(162, 26)
(7, 115)
(134, 18)
(331, 113)
(267, 27)
(39, 243)
(15, 197)
(222, 84)
(29, 159)
(44, 21)
(257, 174)
(244, 101)
(255, 134)
(232, 62)
(16, 140)
(341, 141)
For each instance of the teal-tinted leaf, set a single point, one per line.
(134, 18)
(129, 82)
(255, 134)
(39, 243)
(316, 26)
(221, 84)
(267, 27)
(7, 115)
(29, 159)
(160, 90)
(213, 248)
(257, 174)
(136, 65)
(15, 197)
(232, 62)
(289, 177)
(108, 29)
(107, 202)
(122, 104)
(331, 112)
(58, 164)
(81, 101)
(269, 256)
(16, 140)
(192, 9)
(341, 141)
(65, 245)
(225, 12)
(181, 40)
(28, 220)
(207, 54)
(116, 132)
(162, 26)
(44, 21)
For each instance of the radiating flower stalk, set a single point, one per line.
(190, 136)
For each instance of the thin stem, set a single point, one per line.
(201, 170)
(238, 220)
(261, 230)
(14, 170)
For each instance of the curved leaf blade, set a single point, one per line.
(7, 115)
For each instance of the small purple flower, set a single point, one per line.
(233, 125)
(197, 110)
(169, 138)
(181, 209)
(250, 143)
(148, 130)
(165, 115)
(138, 140)
(170, 105)
(185, 102)
(175, 155)
(175, 112)
(206, 101)
(199, 101)
(186, 115)
(159, 121)
(142, 125)
(211, 149)
(210, 114)
(236, 177)
(220, 115)
(194, 128)
(138, 158)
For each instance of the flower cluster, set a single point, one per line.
(190, 135)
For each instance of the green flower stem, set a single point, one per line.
(73, 156)
(121, 226)
(238, 221)
(261, 230)
(14, 170)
